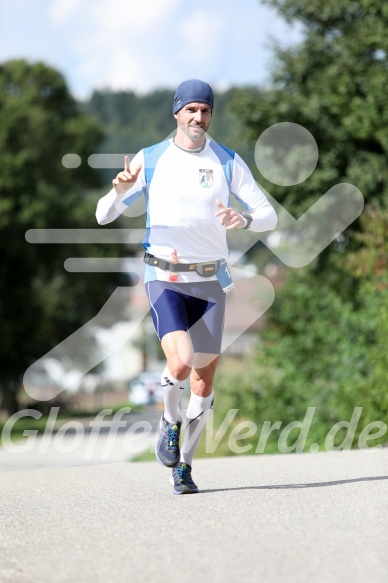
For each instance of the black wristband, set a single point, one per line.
(248, 218)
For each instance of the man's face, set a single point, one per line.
(194, 119)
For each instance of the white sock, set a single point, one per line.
(172, 393)
(197, 414)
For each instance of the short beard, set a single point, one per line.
(193, 137)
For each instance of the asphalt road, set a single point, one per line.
(102, 440)
(298, 518)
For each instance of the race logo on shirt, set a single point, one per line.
(206, 178)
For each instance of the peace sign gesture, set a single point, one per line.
(127, 178)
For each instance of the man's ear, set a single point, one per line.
(176, 115)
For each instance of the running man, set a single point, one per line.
(187, 182)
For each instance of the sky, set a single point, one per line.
(142, 45)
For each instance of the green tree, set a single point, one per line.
(41, 304)
(369, 265)
(325, 343)
(333, 83)
(318, 351)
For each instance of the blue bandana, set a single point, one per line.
(193, 91)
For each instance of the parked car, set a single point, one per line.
(145, 389)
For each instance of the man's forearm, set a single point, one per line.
(264, 218)
(109, 207)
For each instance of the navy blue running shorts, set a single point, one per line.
(197, 308)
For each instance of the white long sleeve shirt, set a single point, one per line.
(180, 189)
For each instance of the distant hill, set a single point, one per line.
(132, 122)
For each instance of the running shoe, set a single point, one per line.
(182, 481)
(167, 449)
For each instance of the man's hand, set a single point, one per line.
(229, 218)
(127, 178)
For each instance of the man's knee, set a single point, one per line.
(179, 353)
(178, 369)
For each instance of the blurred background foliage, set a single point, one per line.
(41, 304)
(325, 339)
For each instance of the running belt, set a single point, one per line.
(203, 269)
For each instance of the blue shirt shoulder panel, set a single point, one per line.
(226, 158)
(151, 157)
